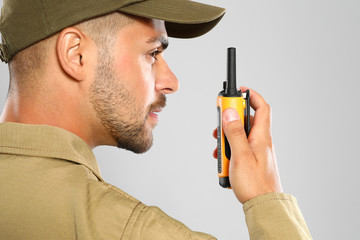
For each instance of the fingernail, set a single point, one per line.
(230, 115)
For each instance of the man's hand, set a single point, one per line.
(253, 170)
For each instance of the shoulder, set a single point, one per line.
(126, 217)
(108, 211)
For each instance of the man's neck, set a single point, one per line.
(45, 111)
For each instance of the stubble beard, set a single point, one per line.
(116, 108)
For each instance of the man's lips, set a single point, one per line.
(156, 108)
(154, 113)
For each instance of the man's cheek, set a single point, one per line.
(149, 90)
(148, 83)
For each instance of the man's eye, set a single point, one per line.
(154, 54)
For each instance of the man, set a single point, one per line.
(90, 73)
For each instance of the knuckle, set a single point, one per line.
(267, 107)
(262, 144)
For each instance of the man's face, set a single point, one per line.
(131, 81)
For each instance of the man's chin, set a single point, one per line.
(137, 145)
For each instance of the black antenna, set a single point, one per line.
(231, 89)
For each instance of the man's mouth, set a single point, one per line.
(154, 113)
(157, 107)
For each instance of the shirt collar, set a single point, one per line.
(46, 141)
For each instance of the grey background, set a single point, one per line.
(304, 58)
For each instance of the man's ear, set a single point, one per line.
(70, 47)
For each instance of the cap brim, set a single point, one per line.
(183, 18)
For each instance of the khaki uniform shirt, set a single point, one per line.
(51, 188)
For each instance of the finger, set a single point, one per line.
(215, 153)
(262, 118)
(251, 121)
(235, 133)
(215, 133)
(256, 100)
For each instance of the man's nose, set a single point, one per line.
(166, 81)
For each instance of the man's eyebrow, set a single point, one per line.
(163, 41)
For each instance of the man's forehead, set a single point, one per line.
(160, 29)
(156, 24)
(153, 29)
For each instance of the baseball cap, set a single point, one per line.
(25, 22)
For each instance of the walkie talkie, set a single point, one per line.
(230, 97)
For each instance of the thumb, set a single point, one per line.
(235, 133)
